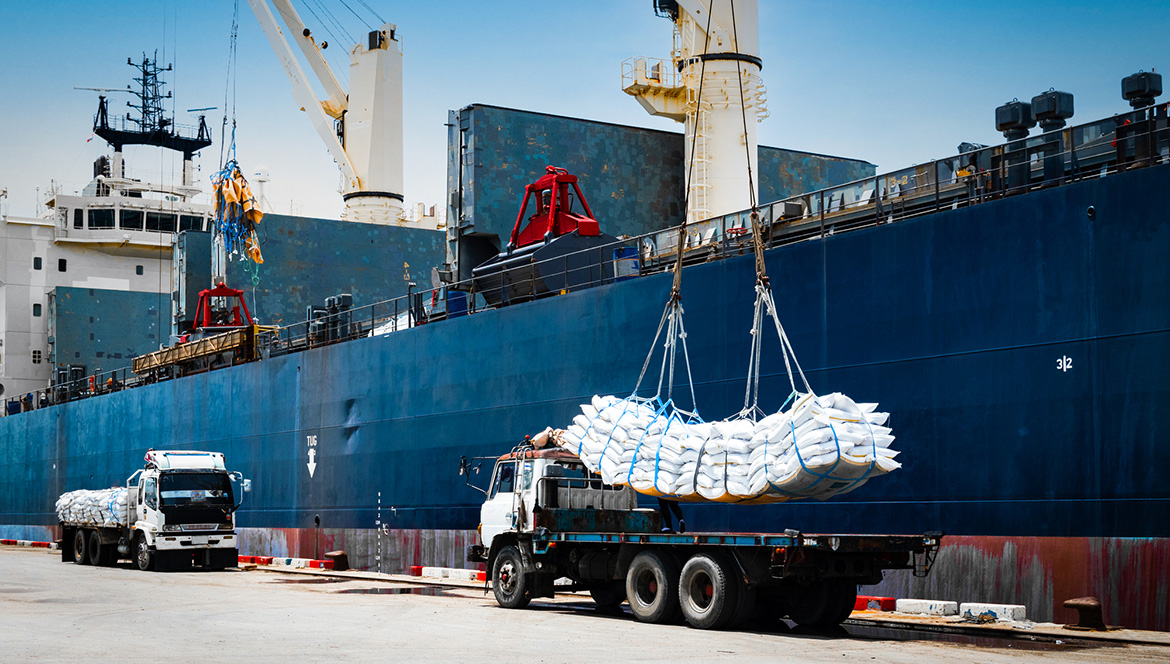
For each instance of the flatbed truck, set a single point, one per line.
(180, 515)
(546, 517)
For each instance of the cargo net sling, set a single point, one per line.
(236, 212)
(106, 507)
(813, 447)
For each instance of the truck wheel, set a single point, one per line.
(509, 583)
(608, 594)
(143, 556)
(809, 605)
(708, 591)
(769, 607)
(843, 597)
(96, 551)
(652, 587)
(745, 609)
(80, 547)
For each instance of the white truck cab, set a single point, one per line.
(183, 502)
(528, 481)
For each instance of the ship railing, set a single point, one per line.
(642, 73)
(101, 382)
(1121, 143)
(1092, 150)
(127, 124)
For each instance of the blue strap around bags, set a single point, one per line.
(873, 450)
(625, 411)
(657, 414)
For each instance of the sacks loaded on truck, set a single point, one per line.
(106, 507)
(823, 446)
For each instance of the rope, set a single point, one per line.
(757, 232)
(672, 314)
(676, 289)
(229, 93)
(646, 364)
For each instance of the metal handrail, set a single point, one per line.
(1091, 150)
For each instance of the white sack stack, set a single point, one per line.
(106, 507)
(822, 447)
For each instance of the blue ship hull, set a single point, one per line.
(1020, 346)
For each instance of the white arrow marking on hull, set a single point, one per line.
(312, 463)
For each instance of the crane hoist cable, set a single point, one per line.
(765, 304)
(672, 315)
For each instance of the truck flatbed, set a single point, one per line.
(546, 518)
(822, 541)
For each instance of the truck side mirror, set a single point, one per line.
(247, 485)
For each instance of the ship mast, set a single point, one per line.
(151, 127)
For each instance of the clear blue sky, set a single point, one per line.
(892, 83)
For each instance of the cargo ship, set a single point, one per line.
(1008, 305)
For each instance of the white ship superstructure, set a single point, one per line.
(117, 234)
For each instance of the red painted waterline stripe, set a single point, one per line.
(870, 603)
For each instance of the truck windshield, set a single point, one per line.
(505, 479)
(195, 489)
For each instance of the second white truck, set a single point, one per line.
(176, 513)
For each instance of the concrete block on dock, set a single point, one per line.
(930, 607)
(1002, 612)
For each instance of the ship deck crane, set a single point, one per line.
(711, 84)
(362, 129)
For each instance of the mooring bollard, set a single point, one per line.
(1089, 613)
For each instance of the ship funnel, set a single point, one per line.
(1014, 119)
(1141, 88)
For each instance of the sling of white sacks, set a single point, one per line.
(821, 447)
(105, 507)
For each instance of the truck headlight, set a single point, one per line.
(170, 527)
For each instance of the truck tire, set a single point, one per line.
(769, 607)
(143, 556)
(80, 547)
(842, 599)
(509, 583)
(652, 587)
(96, 552)
(708, 591)
(608, 594)
(813, 604)
(745, 609)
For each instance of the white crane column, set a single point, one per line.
(718, 182)
(373, 129)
